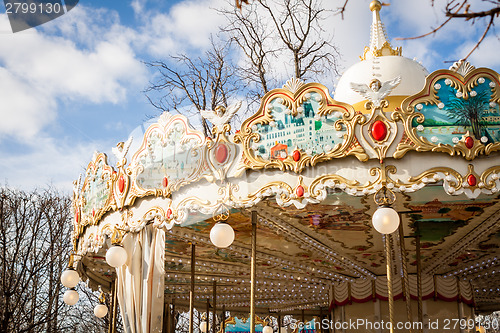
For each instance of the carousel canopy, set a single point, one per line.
(310, 166)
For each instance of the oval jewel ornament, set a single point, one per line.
(472, 180)
(299, 191)
(121, 184)
(469, 142)
(221, 153)
(379, 130)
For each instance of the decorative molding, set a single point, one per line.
(478, 83)
(292, 105)
(159, 155)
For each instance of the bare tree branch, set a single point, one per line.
(185, 83)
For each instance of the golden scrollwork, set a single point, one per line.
(293, 102)
(96, 195)
(385, 49)
(220, 154)
(468, 146)
(380, 146)
(167, 136)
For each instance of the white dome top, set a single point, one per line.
(383, 62)
(383, 68)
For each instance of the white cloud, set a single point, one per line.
(138, 6)
(49, 162)
(25, 109)
(39, 69)
(187, 27)
(485, 55)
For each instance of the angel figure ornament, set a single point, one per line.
(377, 91)
(221, 116)
(121, 149)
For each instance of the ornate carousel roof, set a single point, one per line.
(310, 166)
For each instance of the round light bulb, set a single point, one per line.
(71, 297)
(116, 256)
(222, 235)
(385, 220)
(267, 329)
(204, 327)
(100, 310)
(70, 278)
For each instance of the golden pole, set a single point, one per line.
(214, 311)
(111, 305)
(172, 319)
(321, 319)
(191, 291)
(253, 272)
(115, 306)
(404, 264)
(419, 274)
(389, 280)
(223, 324)
(208, 315)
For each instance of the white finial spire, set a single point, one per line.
(379, 44)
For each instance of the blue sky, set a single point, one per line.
(74, 85)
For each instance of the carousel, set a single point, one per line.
(378, 206)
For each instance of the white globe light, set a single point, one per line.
(385, 220)
(100, 310)
(222, 235)
(267, 329)
(204, 327)
(116, 256)
(71, 297)
(70, 278)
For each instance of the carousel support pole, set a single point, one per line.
(208, 314)
(303, 319)
(166, 317)
(406, 282)
(279, 322)
(389, 280)
(115, 307)
(172, 319)
(223, 323)
(419, 273)
(320, 319)
(191, 290)
(111, 305)
(214, 301)
(332, 303)
(253, 272)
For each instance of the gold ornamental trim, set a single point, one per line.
(161, 136)
(385, 50)
(468, 146)
(96, 195)
(293, 100)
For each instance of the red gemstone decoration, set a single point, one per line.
(296, 155)
(165, 181)
(379, 130)
(77, 217)
(472, 180)
(221, 153)
(169, 213)
(121, 184)
(299, 191)
(469, 142)
(93, 212)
